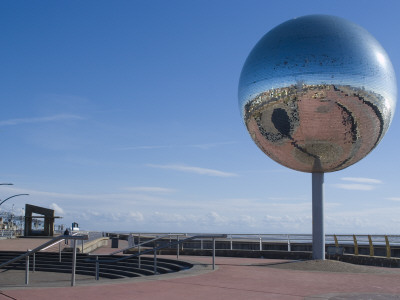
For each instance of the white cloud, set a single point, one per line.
(57, 208)
(161, 217)
(362, 180)
(215, 218)
(287, 198)
(359, 183)
(195, 170)
(53, 118)
(394, 199)
(355, 186)
(137, 216)
(211, 145)
(149, 189)
(204, 146)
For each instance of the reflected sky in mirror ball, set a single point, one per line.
(317, 93)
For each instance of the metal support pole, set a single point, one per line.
(139, 258)
(355, 245)
(97, 267)
(59, 251)
(155, 261)
(288, 244)
(34, 262)
(27, 271)
(82, 247)
(73, 263)
(231, 243)
(318, 244)
(388, 251)
(177, 247)
(260, 243)
(371, 246)
(201, 244)
(213, 252)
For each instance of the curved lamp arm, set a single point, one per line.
(13, 197)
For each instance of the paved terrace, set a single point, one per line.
(234, 278)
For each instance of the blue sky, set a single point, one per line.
(123, 115)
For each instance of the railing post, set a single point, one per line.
(213, 254)
(155, 261)
(371, 246)
(201, 244)
(82, 247)
(231, 243)
(59, 251)
(97, 267)
(177, 247)
(34, 263)
(260, 243)
(73, 263)
(336, 241)
(388, 252)
(139, 258)
(355, 245)
(288, 244)
(27, 270)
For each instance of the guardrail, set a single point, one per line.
(155, 249)
(43, 246)
(387, 241)
(369, 244)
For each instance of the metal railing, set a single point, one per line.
(387, 241)
(60, 238)
(293, 241)
(155, 249)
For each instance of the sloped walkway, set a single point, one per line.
(237, 278)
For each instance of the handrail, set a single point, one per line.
(57, 242)
(37, 249)
(154, 250)
(160, 247)
(144, 243)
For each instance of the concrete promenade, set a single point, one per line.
(234, 278)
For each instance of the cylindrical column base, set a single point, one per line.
(318, 231)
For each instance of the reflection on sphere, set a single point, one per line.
(317, 93)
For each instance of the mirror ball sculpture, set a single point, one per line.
(317, 94)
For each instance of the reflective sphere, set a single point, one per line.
(317, 93)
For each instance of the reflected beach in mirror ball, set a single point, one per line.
(317, 93)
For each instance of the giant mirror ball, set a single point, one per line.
(317, 93)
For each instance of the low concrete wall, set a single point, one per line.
(242, 253)
(377, 261)
(93, 245)
(90, 246)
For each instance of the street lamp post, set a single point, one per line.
(12, 197)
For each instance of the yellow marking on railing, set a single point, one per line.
(336, 241)
(371, 246)
(355, 245)
(388, 252)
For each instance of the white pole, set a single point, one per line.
(27, 270)
(318, 231)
